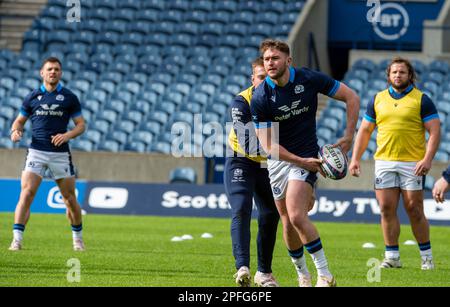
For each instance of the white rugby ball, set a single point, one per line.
(334, 162)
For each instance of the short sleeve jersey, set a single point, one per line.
(50, 114)
(294, 108)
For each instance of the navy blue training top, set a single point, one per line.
(50, 114)
(294, 107)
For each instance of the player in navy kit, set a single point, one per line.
(245, 179)
(287, 100)
(49, 108)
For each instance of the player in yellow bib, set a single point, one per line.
(402, 114)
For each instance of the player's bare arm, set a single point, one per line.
(62, 138)
(348, 96)
(434, 129)
(362, 140)
(17, 128)
(270, 146)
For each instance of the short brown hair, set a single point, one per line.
(51, 60)
(274, 44)
(411, 70)
(257, 62)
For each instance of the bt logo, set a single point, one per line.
(390, 21)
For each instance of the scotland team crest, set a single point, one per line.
(299, 89)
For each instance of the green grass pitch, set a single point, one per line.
(137, 251)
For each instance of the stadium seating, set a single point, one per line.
(183, 175)
(140, 65)
(367, 78)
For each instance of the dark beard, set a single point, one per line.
(402, 87)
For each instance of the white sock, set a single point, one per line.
(300, 266)
(77, 234)
(321, 263)
(426, 254)
(18, 235)
(392, 254)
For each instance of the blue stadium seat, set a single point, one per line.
(132, 38)
(221, 67)
(246, 17)
(82, 145)
(31, 83)
(182, 88)
(109, 4)
(161, 147)
(86, 37)
(127, 15)
(290, 17)
(282, 31)
(231, 40)
(217, 108)
(7, 83)
(184, 40)
(147, 15)
(108, 115)
(166, 136)
(44, 23)
(154, 4)
(182, 116)
(183, 175)
(164, 27)
(135, 147)
(141, 106)
(100, 125)
(174, 97)
(295, 6)
(157, 116)
(149, 96)
(142, 27)
(191, 107)
(222, 17)
(273, 6)
(55, 12)
(103, 14)
(202, 60)
(126, 126)
(5, 142)
(212, 28)
(198, 17)
(356, 84)
(202, 5)
(208, 117)
(94, 136)
(227, 6)
(120, 137)
(130, 4)
(262, 29)
(434, 76)
(326, 134)
(153, 127)
(178, 5)
(441, 156)
(190, 28)
(232, 89)
(250, 6)
(187, 78)
(418, 65)
(145, 137)
(174, 17)
(116, 25)
(109, 145)
(440, 66)
(133, 116)
(199, 97)
(112, 76)
(7, 112)
(120, 67)
(157, 39)
(365, 64)
(167, 107)
(207, 40)
(208, 89)
(164, 78)
(222, 51)
(238, 80)
(213, 78)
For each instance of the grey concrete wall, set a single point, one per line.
(103, 166)
(314, 18)
(436, 33)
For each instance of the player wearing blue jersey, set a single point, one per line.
(442, 186)
(287, 100)
(49, 108)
